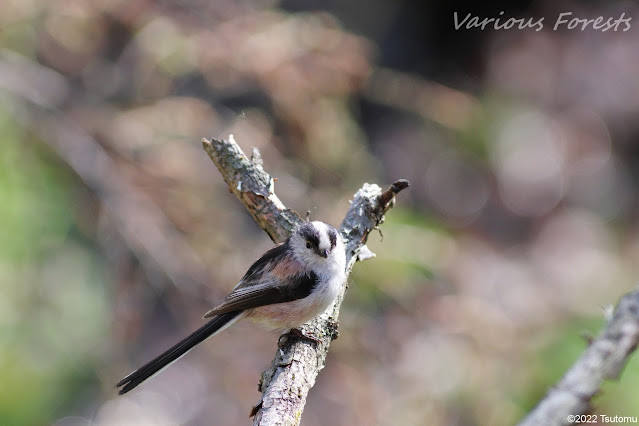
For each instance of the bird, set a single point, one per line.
(287, 286)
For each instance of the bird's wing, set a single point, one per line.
(276, 277)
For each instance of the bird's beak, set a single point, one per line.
(323, 253)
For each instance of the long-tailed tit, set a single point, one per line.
(290, 284)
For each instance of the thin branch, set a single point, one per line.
(285, 385)
(604, 359)
(253, 186)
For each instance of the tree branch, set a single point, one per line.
(285, 385)
(253, 186)
(604, 359)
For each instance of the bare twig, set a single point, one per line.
(253, 186)
(285, 385)
(604, 359)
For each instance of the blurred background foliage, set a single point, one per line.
(118, 233)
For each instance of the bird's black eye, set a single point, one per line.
(308, 244)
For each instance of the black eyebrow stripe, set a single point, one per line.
(314, 239)
(332, 235)
(309, 233)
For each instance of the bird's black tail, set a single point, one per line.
(178, 350)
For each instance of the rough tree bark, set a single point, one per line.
(285, 385)
(604, 359)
